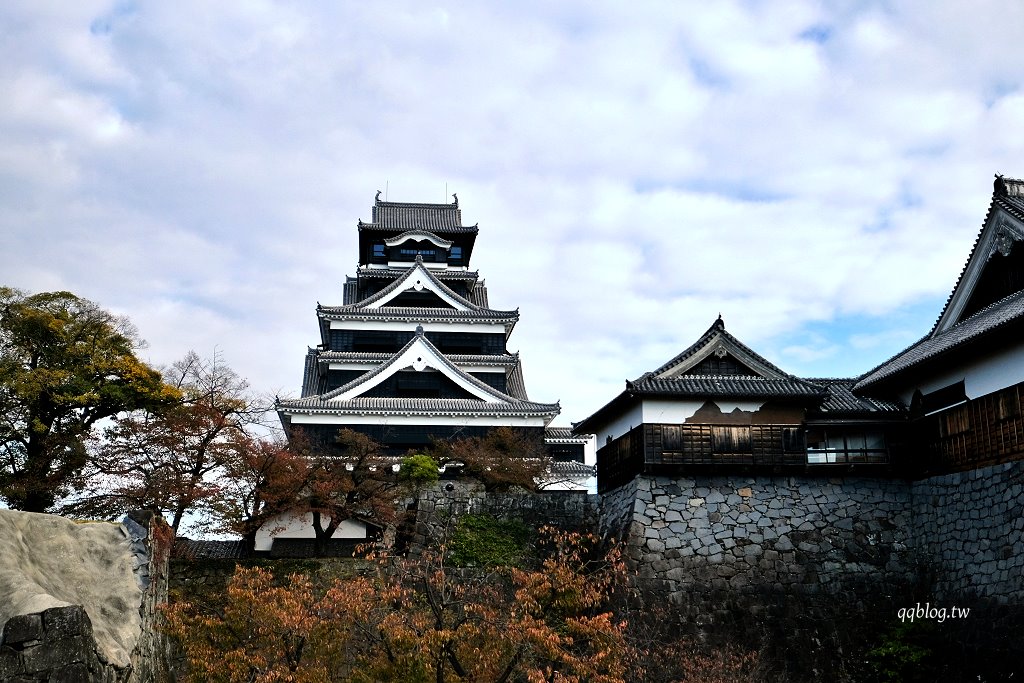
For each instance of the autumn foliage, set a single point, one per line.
(418, 620)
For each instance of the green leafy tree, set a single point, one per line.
(418, 470)
(65, 364)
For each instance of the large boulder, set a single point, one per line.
(48, 562)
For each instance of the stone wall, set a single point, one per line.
(439, 505)
(54, 645)
(969, 529)
(792, 534)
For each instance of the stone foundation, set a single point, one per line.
(969, 530)
(789, 534)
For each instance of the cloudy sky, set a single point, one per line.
(815, 172)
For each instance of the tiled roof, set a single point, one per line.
(572, 468)
(498, 360)
(717, 329)
(501, 402)
(414, 314)
(350, 291)
(985, 321)
(438, 218)
(515, 384)
(1008, 195)
(188, 549)
(478, 295)
(732, 386)
(563, 433)
(419, 406)
(402, 280)
(842, 401)
(311, 373)
(441, 273)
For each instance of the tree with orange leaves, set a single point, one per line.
(418, 619)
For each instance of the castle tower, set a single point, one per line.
(414, 352)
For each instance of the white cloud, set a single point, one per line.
(200, 167)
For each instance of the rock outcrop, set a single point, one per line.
(76, 599)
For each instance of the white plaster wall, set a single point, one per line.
(654, 411)
(301, 526)
(588, 484)
(677, 412)
(620, 426)
(981, 377)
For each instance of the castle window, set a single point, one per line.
(843, 446)
(378, 251)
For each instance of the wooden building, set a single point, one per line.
(414, 352)
(949, 402)
(719, 404)
(962, 382)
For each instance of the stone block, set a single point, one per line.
(56, 653)
(76, 673)
(23, 628)
(66, 622)
(714, 496)
(10, 663)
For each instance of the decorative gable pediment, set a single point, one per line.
(418, 355)
(418, 236)
(995, 268)
(718, 353)
(418, 279)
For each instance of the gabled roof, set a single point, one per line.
(959, 321)
(1003, 226)
(419, 354)
(400, 216)
(995, 317)
(417, 277)
(718, 342)
(716, 366)
(726, 386)
(719, 365)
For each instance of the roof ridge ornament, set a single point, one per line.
(1008, 187)
(455, 196)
